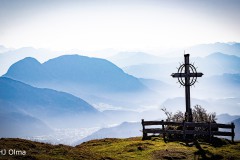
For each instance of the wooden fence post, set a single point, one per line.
(184, 131)
(233, 134)
(144, 133)
(163, 131)
(210, 131)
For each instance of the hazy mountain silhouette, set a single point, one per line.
(226, 118)
(45, 104)
(11, 56)
(94, 71)
(219, 63)
(229, 80)
(155, 84)
(216, 63)
(131, 129)
(218, 69)
(219, 86)
(75, 69)
(124, 130)
(93, 79)
(29, 70)
(13, 124)
(124, 59)
(205, 49)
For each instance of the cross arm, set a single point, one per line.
(176, 75)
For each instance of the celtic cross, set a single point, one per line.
(187, 76)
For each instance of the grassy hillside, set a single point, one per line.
(130, 148)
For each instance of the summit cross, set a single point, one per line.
(187, 76)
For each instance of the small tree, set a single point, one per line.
(199, 115)
(178, 116)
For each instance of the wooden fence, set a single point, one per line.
(187, 128)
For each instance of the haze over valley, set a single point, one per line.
(74, 92)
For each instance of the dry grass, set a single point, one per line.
(119, 149)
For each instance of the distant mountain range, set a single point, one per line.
(74, 69)
(216, 63)
(16, 124)
(93, 79)
(100, 82)
(202, 50)
(124, 59)
(226, 118)
(57, 109)
(124, 130)
(11, 56)
(218, 69)
(232, 48)
(223, 86)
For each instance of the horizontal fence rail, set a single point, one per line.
(188, 128)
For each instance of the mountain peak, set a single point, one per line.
(26, 70)
(29, 60)
(20, 66)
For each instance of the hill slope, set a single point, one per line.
(46, 104)
(131, 148)
(124, 130)
(21, 125)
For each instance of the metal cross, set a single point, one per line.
(187, 76)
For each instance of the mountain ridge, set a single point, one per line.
(46, 104)
(16, 124)
(76, 69)
(95, 80)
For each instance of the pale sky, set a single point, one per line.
(117, 24)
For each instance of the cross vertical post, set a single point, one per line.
(187, 89)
